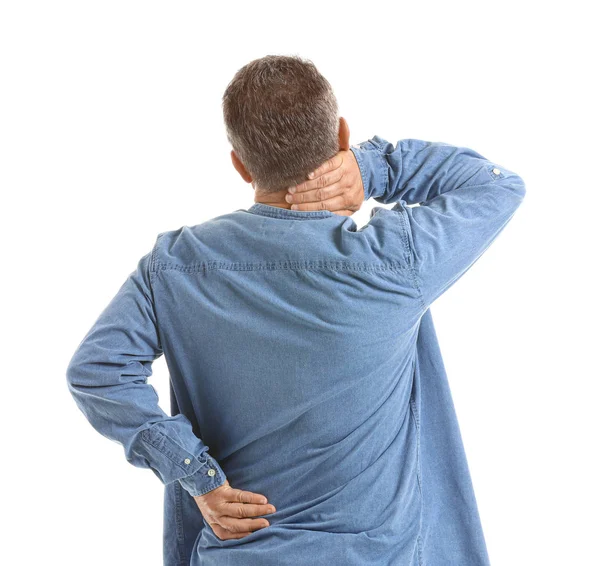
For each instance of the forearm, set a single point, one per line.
(416, 171)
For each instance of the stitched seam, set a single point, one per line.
(382, 165)
(271, 214)
(153, 258)
(178, 513)
(180, 533)
(413, 410)
(415, 413)
(409, 255)
(153, 263)
(283, 265)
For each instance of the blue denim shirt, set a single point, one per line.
(304, 366)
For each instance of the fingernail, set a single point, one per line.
(288, 198)
(271, 509)
(294, 206)
(292, 190)
(311, 175)
(264, 500)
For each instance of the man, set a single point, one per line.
(300, 348)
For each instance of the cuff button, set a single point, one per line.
(211, 472)
(496, 171)
(187, 461)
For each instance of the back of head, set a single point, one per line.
(281, 118)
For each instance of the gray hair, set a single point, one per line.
(281, 118)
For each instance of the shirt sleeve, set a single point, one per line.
(464, 200)
(107, 377)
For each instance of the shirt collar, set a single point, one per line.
(279, 212)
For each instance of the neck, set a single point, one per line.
(273, 199)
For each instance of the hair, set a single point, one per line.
(281, 118)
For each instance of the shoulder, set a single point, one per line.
(187, 244)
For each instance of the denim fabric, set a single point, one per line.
(304, 366)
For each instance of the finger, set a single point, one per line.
(240, 511)
(320, 182)
(329, 165)
(333, 204)
(315, 195)
(242, 525)
(224, 534)
(243, 496)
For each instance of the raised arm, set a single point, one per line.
(416, 171)
(465, 202)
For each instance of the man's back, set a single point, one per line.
(292, 337)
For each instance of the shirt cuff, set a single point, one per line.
(208, 476)
(372, 167)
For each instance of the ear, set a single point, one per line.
(239, 167)
(344, 135)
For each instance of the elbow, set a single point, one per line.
(73, 374)
(516, 185)
(521, 189)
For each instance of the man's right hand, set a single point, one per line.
(336, 186)
(229, 511)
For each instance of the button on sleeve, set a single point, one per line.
(208, 476)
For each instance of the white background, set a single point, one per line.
(111, 131)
